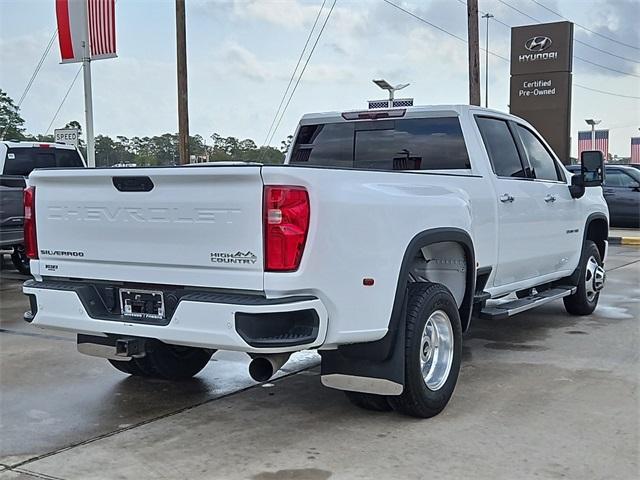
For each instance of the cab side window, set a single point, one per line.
(543, 166)
(501, 147)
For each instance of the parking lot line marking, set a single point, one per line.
(33, 474)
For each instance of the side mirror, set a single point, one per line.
(592, 173)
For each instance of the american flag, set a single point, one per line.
(602, 142)
(635, 149)
(75, 18)
(102, 28)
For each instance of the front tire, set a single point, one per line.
(590, 282)
(168, 362)
(433, 350)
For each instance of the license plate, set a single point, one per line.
(142, 303)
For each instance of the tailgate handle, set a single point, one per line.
(133, 184)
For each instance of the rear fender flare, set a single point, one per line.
(382, 349)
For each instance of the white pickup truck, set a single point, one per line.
(378, 240)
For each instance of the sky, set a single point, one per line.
(241, 54)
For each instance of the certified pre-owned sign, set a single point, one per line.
(541, 63)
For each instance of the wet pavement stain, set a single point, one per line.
(294, 474)
(518, 347)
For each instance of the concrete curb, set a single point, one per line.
(633, 241)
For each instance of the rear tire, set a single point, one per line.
(168, 362)
(585, 300)
(433, 350)
(20, 260)
(369, 401)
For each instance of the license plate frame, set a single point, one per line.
(134, 303)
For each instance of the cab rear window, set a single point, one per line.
(403, 144)
(21, 161)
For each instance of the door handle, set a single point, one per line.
(550, 199)
(506, 198)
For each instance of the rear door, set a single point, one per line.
(520, 220)
(196, 226)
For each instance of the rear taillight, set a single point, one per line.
(30, 240)
(286, 223)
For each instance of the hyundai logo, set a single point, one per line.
(537, 44)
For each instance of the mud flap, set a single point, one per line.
(361, 368)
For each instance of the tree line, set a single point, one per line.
(147, 151)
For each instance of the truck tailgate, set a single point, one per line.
(195, 226)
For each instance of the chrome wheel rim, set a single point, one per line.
(436, 350)
(594, 278)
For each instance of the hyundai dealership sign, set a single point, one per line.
(541, 64)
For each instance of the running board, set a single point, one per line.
(505, 310)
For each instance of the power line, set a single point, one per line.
(500, 56)
(605, 67)
(575, 56)
(38, 67)
(64, 99)
(293, 74)
(604, 51)
(605, 92)
(457, 37)
(575, 39)
(586, 28)
(304, 67)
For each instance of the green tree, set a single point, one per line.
(11, 123)
(285, 144)
(74, 124)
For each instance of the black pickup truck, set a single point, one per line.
(17, 160)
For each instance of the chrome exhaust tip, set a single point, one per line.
(262, 368)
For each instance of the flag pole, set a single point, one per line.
(88, 98)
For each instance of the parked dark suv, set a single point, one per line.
(621, 190)
(17, 160)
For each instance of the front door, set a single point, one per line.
(561, 225)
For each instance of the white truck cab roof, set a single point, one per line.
(404, 112)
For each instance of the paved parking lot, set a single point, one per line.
(542, 395)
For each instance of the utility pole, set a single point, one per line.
(486, 63)
(183, 101)
(88, 97)
(474, 52)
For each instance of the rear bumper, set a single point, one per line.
(246, 323)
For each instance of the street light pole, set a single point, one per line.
(486, 63)
(88, 98)
(593, 123)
